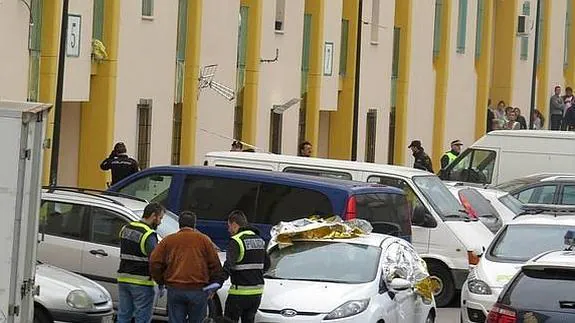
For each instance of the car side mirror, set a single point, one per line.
(399, 284)
(422, 218)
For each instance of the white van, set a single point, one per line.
(442, 234)
(503, 155)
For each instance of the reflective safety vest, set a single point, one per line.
(451, 156)
(247, 275)
(134, 265)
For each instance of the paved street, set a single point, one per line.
(448, 315)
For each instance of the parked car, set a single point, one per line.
(80, 233)
(542, 189)
(370, 280)
(68, 297)
(550, 274)
(516, 243)
(445, 239)
(267, 198)
(492, 207)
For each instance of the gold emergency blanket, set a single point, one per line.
(317, 228)
(399, 261)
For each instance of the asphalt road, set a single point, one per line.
(449, 314)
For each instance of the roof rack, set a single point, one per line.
(102, 194)
(551, 209)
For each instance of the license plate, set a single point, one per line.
(108, 319)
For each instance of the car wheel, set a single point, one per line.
(40, 315)
(442, 276)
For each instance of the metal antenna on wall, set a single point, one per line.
(206, 80)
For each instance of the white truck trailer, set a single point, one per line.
(22, 128)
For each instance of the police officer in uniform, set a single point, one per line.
(246, 262)
(120, 163)
(135, 285)
(451, 155)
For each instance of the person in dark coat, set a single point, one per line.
(422, 160)
(120, 163)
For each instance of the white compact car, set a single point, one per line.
(517, 242)
(366, 279)
(67, 297)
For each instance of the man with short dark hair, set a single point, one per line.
(305, 149)
(556, 109)
(246, 262)
(135, 285)
(187, 262)
(120, 163)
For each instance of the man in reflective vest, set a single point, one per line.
(135, 286)
(451, 155)
(246, 262)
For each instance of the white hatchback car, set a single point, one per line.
(517, 242)
(365, 279)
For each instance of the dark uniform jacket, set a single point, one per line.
(122, 166)
(422, 161)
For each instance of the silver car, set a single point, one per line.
(68, 297)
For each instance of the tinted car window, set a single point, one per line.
(555, 285)
(537, 195)
(521, 242)
(284, 203)
(154, 188)
(105, 226)
(63, 219)
(412, 198)
(318, 172)
(213, 198)
(568, 197)
(387, 213)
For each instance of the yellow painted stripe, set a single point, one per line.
(403, 20)
(315, 8)
(543, 87)
(341, 121)
(51, 16)
(504, 56)
(98, 114)
(191, 72)
(570, 70)
(250, 106)
(441, 64)
(483, 69)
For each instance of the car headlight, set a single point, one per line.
(79, 299)
(477, 286)
(348, 309)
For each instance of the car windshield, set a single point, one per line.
(521, 242)
(444, 203)
(512, 203)
(325, 262)
(169, 223)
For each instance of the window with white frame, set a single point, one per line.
(280, 15)
(147, 8)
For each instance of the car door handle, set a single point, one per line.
(99, 252)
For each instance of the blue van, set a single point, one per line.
(266, 198)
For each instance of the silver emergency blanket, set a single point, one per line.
(315, 227)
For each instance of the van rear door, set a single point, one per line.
(388, 213)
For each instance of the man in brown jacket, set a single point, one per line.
(186, 262)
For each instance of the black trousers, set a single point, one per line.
(556, 121)
(242, 306)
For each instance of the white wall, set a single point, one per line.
(215, 123)
(375, 85)
(280, 81)
(462, 82)
(331, 33)
(523, 68)
(422, 78)
(146, 69)
(77, 69)
(14, 24)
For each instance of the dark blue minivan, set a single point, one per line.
(266, 198)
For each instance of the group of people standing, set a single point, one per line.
(504, 117)
(186, 264)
